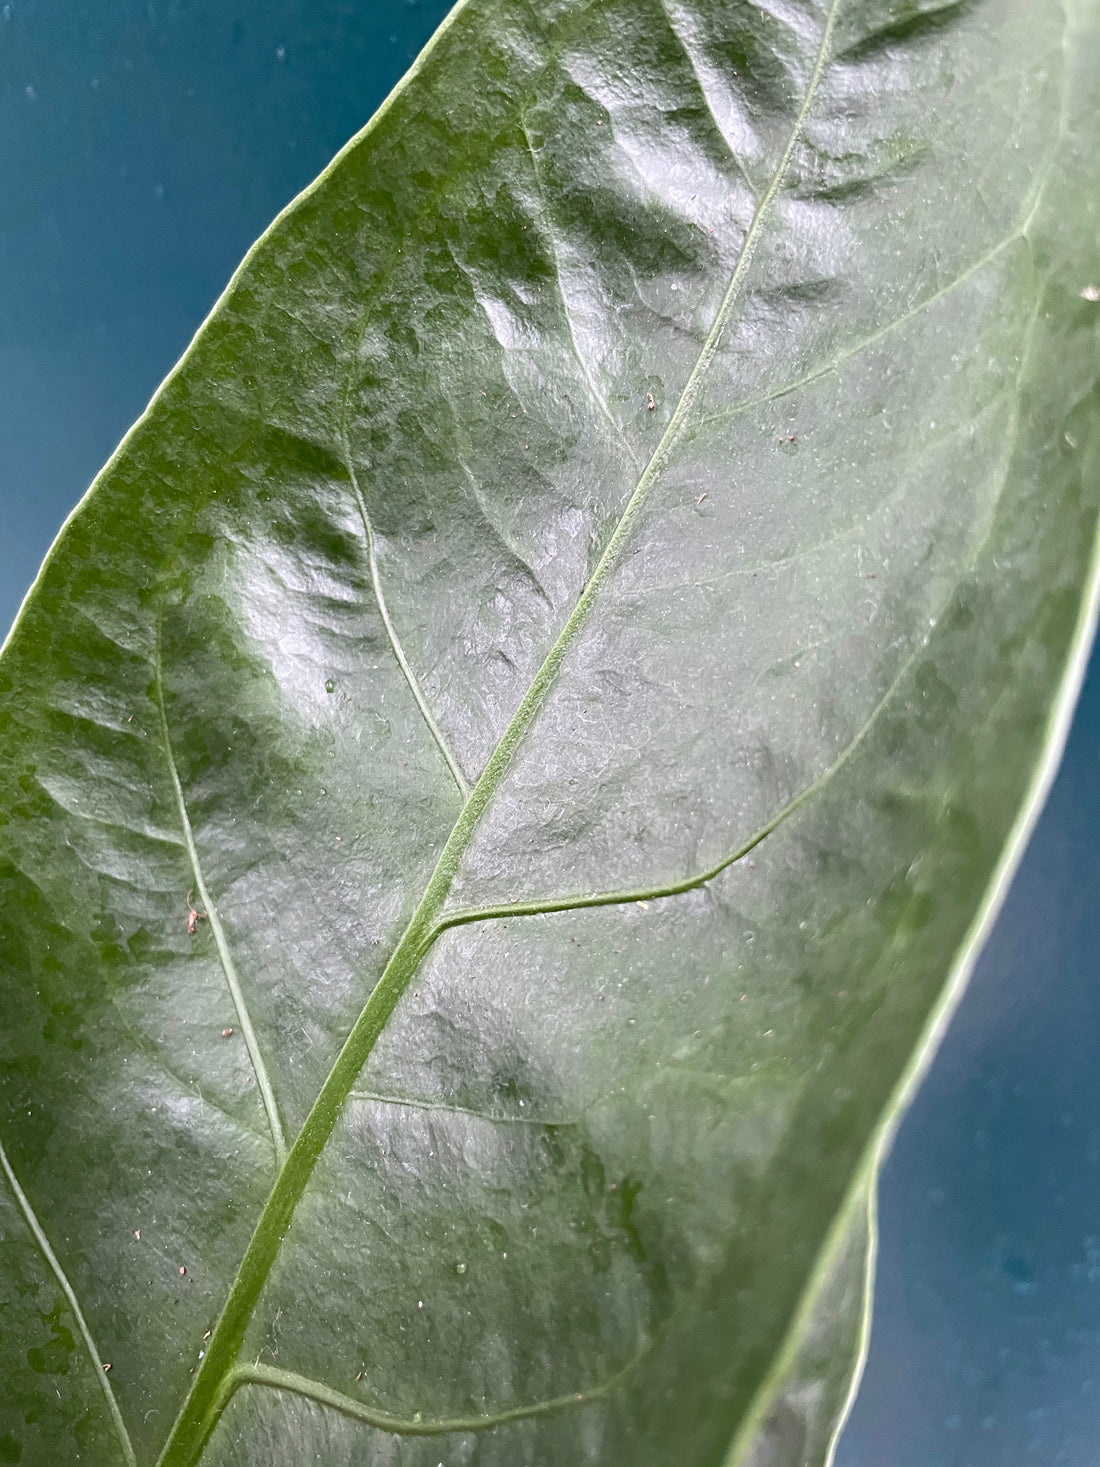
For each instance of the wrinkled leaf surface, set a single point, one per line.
(503, 777)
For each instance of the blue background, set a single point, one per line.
(146, 143)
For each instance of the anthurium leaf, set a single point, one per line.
(505, 773)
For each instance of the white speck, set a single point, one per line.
(280, 53)
(201, 1354)
(420, 1303)
(31, 94)
(1090, 292)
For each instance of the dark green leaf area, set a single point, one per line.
(503, 778)
(51, 1409)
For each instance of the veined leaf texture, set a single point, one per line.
(504, 776)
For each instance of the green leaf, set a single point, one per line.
(505, 774)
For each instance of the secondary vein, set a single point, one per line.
(316, 1390)
(676, 25)
(656, 891)
(229, 967)
(551, 238)
(95, 1359)
(415, 1102)
(391, 631)
(207, 1398)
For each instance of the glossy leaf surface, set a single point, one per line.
(506, 771)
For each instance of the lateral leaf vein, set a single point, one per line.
(225, 954)
(208, 1394)
(95, 1359)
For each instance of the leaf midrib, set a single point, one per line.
(207, 1396)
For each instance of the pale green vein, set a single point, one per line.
(501, 535)
(417, 1425)
(847, 532)
(189, 1088)
(95, 1359)
(549, 230)
(414, 1102)
(206, 1399)
(391, 631)
(743, 1444)
(687, 48)
(836, 362)
(654, 892)
(464, 916)
(208, 908)
(1018, 234)
(396, 646)
(866, 1173)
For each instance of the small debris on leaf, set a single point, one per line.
(137, 1234)
(182, 1270)
(1091, 293)
(106, 1367)
(194, 917)
(649, 402)
(227, 1033)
